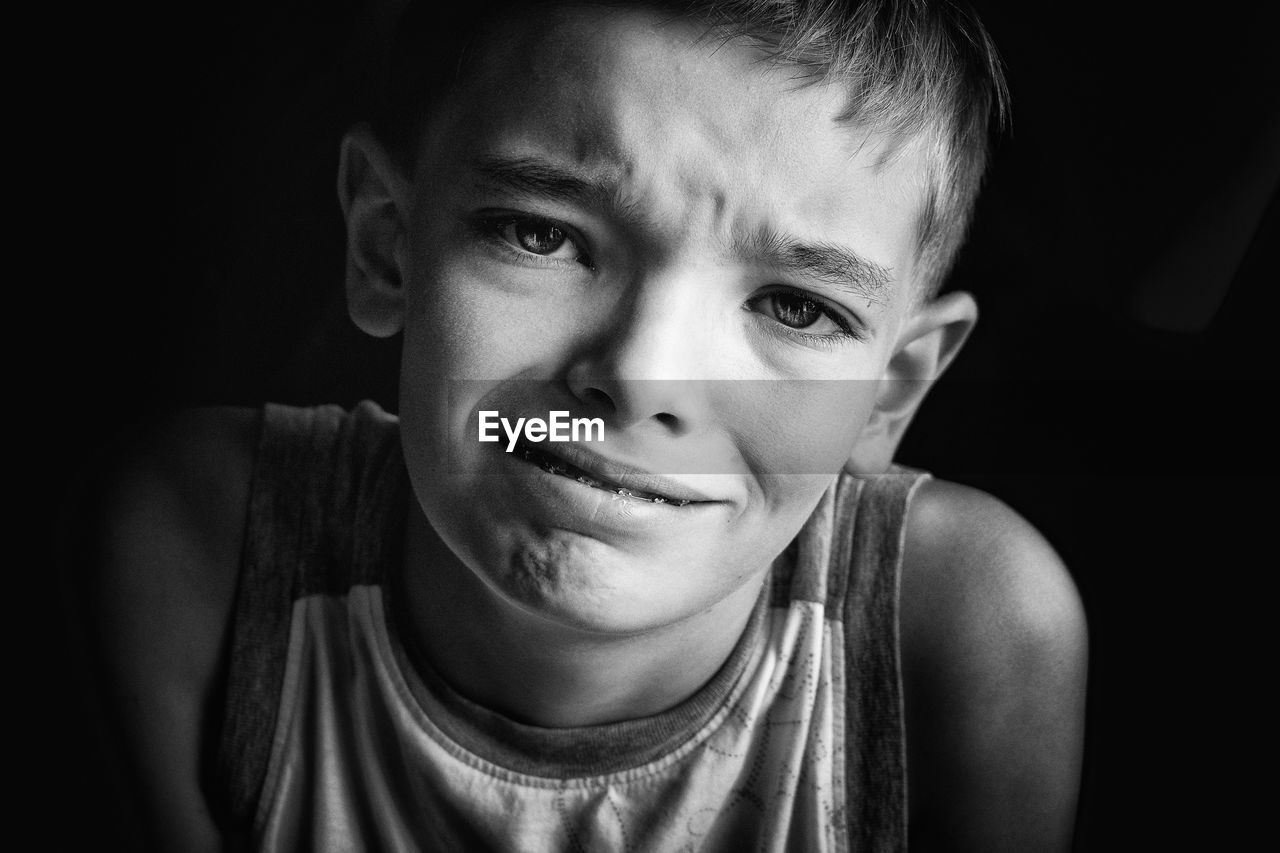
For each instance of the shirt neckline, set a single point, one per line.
(579, 751)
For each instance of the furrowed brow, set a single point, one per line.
(535, 176)
(828, 263)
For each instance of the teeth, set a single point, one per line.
(546, 464)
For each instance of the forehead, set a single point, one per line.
(699, 134)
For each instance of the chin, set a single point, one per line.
(587, 585)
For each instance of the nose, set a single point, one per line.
(645, 362)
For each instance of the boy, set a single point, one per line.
(731, 624)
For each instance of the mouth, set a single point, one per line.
(561, 467)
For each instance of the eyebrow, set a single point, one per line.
(830, 264)
(826, 263)
(534, 176)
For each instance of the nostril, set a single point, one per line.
(596, 396)
(626, 402)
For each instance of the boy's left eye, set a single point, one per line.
(794, 310)
(801, 312)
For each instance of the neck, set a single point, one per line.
(543, 673)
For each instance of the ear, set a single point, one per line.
(925, 347)
(373, 194)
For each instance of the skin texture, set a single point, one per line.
(651, 318)
(162, 539)
(561, 605)
(993, 652)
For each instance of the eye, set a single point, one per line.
(540, 237)
(794, 310)
(798, 311)
(797, 316)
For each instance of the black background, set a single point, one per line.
(1118, 391)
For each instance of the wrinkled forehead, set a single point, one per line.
(663, 107)
(589, 70)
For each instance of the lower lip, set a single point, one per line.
(568, 502)
(553, 464)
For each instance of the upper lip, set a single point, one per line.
(623, 474)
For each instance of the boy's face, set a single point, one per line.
(619, 220)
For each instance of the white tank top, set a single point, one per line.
(336, 737)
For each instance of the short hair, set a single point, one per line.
(917, 70)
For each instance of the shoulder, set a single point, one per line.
(166, 527)
(170, 510)
(972, 564)
(994, 648)
(184, 475)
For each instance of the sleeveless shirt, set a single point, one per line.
(335, 736)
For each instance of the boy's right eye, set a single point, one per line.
(538, 237)
(541, 238)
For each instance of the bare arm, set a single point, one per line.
(994, 657)
(167, 529)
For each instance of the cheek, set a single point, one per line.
(452, 328)
(475, 320)
(800, 427)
